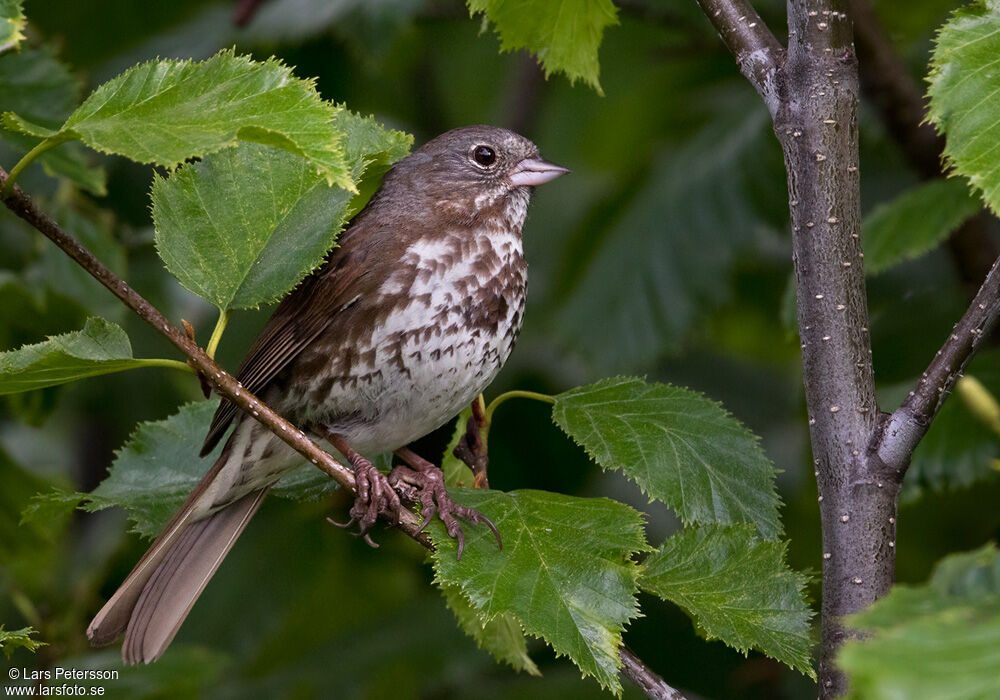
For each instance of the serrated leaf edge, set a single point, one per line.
(621, 469)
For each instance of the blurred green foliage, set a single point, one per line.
(665, 253)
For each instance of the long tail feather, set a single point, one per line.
(181, 576)
(157, 595)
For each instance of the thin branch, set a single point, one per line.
(901, 103)
(651, 684)
(227, 386)
(908, 424)
(758, 53)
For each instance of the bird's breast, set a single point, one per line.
(451, 313)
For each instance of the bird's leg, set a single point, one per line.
(375, 494)
(433, 496)
(471, 447)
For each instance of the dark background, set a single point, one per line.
(665, 254)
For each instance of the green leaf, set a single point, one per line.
(564, 34)
(159, 466)
(38, 87)
(168, 111)
(369, 145)
(371, 150)
(565, 572)
(678, 446)
(50, 505)
(737, 588)
(915, 222)
(11, 24)
(938, 640)
(17, 123)
(44, 92)
(959, 450)
(101, 347)
(961, 75)
(18, 639)
(502, 636)
(243, 226)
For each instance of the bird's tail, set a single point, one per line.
(158, 595)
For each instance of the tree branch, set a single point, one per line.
(758, 53)
(908, 424)
(899, 100)
(818, 129)
(227, 386)
(651, 684)
(812, 95)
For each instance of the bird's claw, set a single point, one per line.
(432, 495)
(375, 497)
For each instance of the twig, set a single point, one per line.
(226, 385)
(650, 683)
(908, 424)
(758, 53)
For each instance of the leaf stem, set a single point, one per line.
(518, 394)
(171, 364)
(220, 327)
(25, 161)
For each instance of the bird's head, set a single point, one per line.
(473, 169)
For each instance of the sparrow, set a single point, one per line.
(409, 319)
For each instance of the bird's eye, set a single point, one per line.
(484, 155)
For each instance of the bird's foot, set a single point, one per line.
(423, 483)
(375, 497)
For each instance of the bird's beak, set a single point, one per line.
(535, 171)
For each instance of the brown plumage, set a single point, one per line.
(410, 318)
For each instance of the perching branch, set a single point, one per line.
(908, 424)
(758, 53)
(227, 386)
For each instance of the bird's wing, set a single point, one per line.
(298, 320)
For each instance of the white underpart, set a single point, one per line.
(441, 372)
